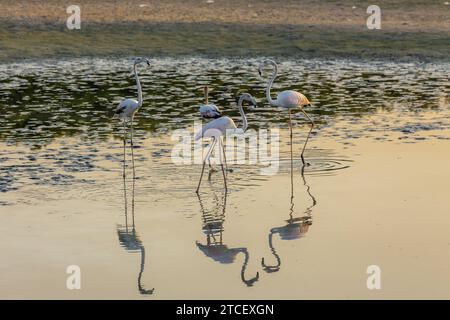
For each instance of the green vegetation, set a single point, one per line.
(31, 42)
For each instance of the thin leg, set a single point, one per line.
(290, 133)
(221, 165)
(204, 163)
(224, 155)
(201, 176)
(132, 147)
(211, 168)
(124, 146)
(292, 158)
(309, 133)
(134, 172)
(123, 173)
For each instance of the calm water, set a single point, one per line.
(62, 193)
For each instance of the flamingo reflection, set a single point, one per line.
(129, 239)
(213, 228)
(295, 228)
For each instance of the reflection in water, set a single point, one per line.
(296, 227)
(214, 248)
(129, 238)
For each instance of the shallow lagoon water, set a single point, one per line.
(375, 192)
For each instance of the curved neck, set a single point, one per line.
(274, 253)
(270, 83)
(241, 111)
(141, 288)
(138, 83)
(248, 282)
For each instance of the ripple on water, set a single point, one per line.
(60, 113)
(45, 99)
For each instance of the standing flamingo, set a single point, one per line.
(127, 108)
(288, 99)
(209, 111)
(217, 128)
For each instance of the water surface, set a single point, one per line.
(375, 191)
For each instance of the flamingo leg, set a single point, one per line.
(290, 138)
(132, 147)
(124, 146)
(124, 167)
(208, 154)
(307, 138)
(211, 168)
(224, 155)
(132, 163)
(221, 164)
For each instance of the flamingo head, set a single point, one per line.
(264, 63)
(249, 98)
(142, 60)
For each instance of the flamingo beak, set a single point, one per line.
(260, 73)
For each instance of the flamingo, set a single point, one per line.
(217, 128)
(127, 109)
(209, 111)
(288, 99)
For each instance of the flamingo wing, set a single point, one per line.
(291, 99)
(127, 107)
(216, 127)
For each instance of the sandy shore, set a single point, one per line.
(410, 29)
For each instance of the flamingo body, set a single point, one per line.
(216, 128)
(290, 99)
(126, 109)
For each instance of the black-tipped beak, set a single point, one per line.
(308, 105)
(259, 72)
(148, 63)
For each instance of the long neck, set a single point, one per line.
(276, 267)
(269, 85)
(138, 83)
(241, 111)
(248, 282)
(141, 288)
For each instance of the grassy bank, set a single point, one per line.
(213, 39)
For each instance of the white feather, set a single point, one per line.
(216, 128)
(209, 111)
